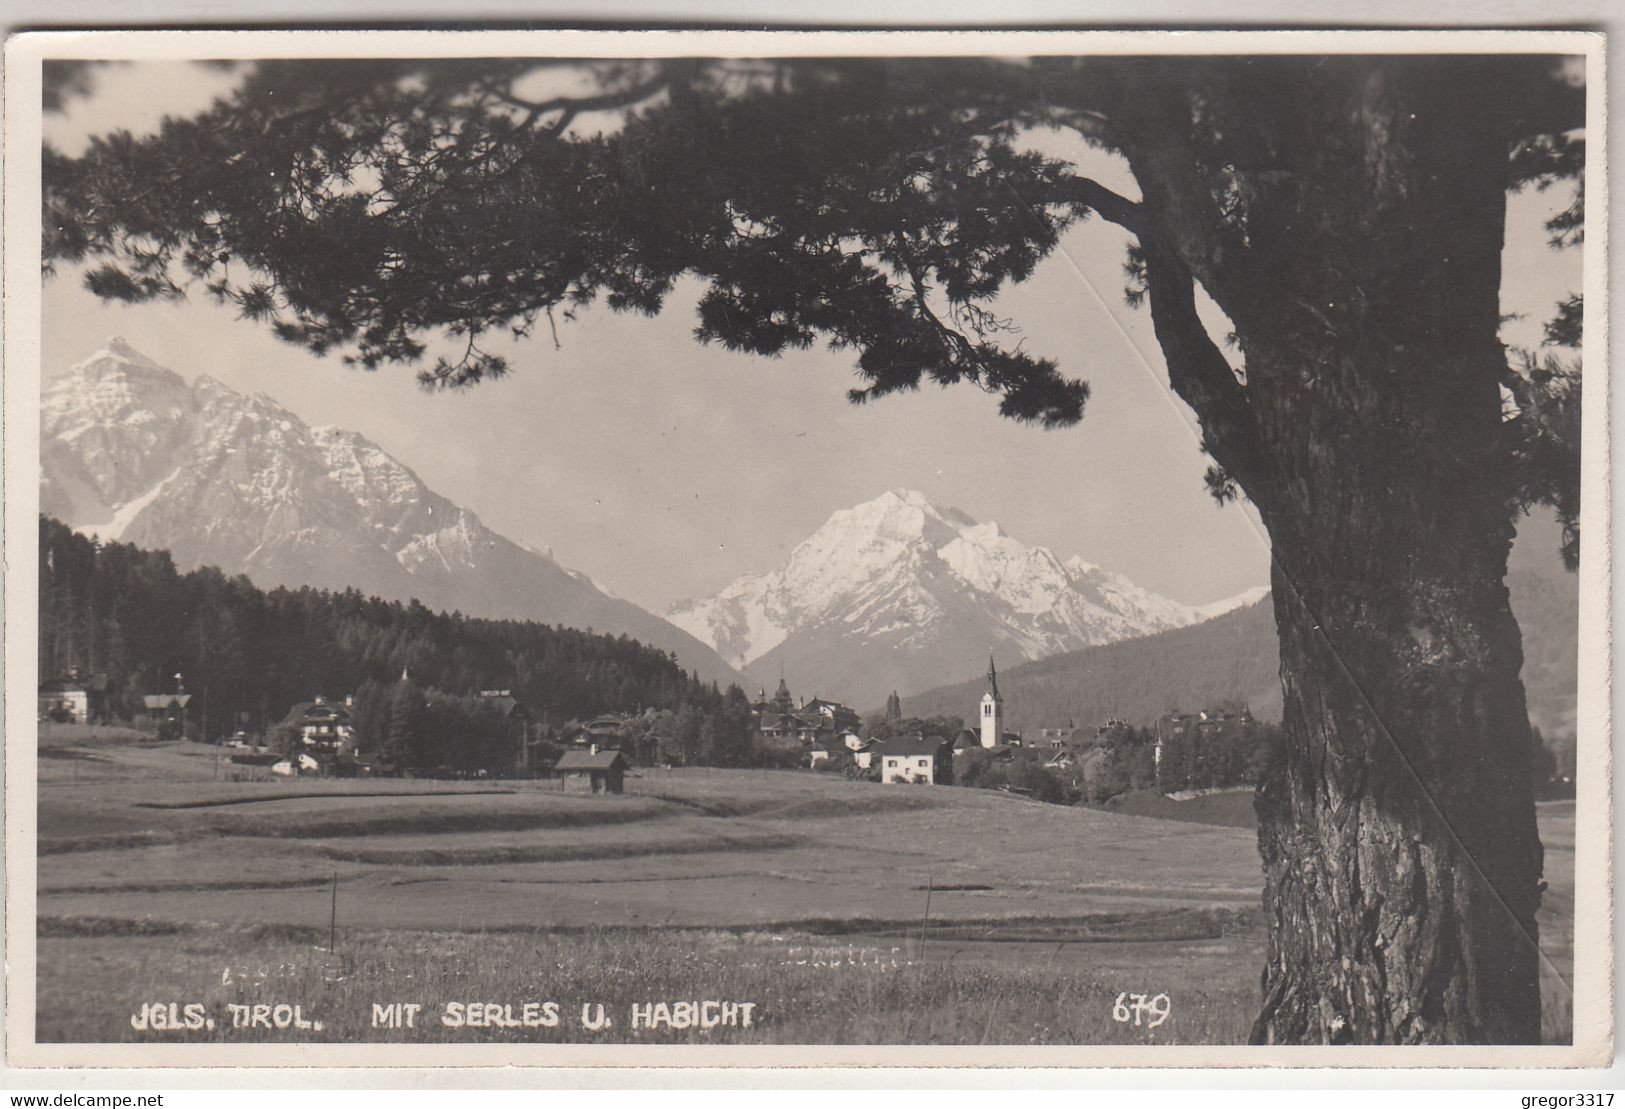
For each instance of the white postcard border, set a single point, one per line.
(1594, 928)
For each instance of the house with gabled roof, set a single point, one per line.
(917, 758)
(861, 751)
(607, 730)
(322, 724)
(591, 770)
(507, 705)
(839, 716)
(798, 727)
(1054, 739)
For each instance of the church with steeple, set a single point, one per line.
(992, 708)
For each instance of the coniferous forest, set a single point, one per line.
(247, 654)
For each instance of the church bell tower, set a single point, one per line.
(992, 709)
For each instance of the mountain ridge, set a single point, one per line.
(130, 452)
(1235, 658)
(899, 592)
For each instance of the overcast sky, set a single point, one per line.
(664, 469)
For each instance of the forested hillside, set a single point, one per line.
(1228, 659)
(125, 612)
(1233, 659)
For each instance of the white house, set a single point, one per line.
(861, 751)
(916, 758)
(65, 699)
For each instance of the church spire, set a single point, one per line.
(992, 708)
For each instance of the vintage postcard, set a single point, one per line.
(718, 548)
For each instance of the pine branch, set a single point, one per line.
(1201, 376)
(572, 106)
(1085, 192)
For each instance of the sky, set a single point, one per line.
(664, 469)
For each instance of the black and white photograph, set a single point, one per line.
(983, 549)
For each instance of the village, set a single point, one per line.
(319, 737)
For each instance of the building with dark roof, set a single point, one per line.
(607, 730)
(517, 724)
(1054, 739)
(591, 770)
(508, 706)
(793, 727)
(322, 725)
(1197, 728)
(780, 719)
(839, 716)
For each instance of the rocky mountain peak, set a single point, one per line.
(130, 452)
(917, 592)
(116, 353)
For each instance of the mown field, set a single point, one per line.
(843, 912)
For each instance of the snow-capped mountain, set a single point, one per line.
(130, 452)
(900, 593)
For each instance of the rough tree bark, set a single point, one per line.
(1362, 273)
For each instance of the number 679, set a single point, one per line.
(1141, 1009)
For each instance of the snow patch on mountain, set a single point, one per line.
(114, 527)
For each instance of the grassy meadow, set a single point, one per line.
(844, 912)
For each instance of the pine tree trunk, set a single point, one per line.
(1351, 228)
(1398, 833)
(1402, 862)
